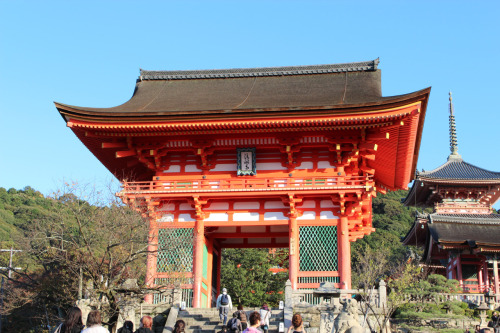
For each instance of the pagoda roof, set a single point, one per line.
(455, 231)
(456, 169)
(455, 172)
(224, 92)
(463, 229)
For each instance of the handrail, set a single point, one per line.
(246, 184)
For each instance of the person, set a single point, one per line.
(495, 318)
(179, 326)
(297, 324)
(73, 322)
(234, 324)
(94, 323)
(146, 325)
(478, 329)
(128, 327)
(254, 323)
(242, 316)
(224, 305)
(265, 314)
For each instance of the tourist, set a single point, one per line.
(224, 305)
(495, 319)
(179, 326)
(94, 323)
(73, 322)
(128, 327)
(234, 324)
(242, 316)
(265, 314)
(478, 329)
(254, 323)
(297, 324)
(146, 325)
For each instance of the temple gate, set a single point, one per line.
(285, 157)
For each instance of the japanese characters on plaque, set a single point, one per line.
(246, 162)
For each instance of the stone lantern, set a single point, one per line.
(482, 314)
(489, 297)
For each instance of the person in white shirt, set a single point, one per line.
(224, 305)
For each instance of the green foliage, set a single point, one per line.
(246, 275)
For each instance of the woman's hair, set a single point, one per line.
(254, 318)
(240, 307)
(129, 325)
(147, 322)
(73, 319)
(296, 320)
(94, 318)
(179, 326)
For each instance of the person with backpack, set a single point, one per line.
(242, 316)
(265, 314)
(234, 324)
(224, 305)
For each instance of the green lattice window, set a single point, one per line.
(318, 249)
(469, 272)
(175, 250)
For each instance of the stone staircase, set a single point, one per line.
(207, 320)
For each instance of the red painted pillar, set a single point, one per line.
(293, 251)
(486, 278)
(151, 258)
(199, 239)
(480, 278)
(495, 278)
(344, 253)
(459, 272)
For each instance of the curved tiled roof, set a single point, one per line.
(258, 72)
(457, 169)
(466, 218)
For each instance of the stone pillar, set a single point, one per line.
(382, 294)
(293, 252)
(288, 294)
(199, 239)
(344, 253)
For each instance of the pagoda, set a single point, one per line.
(461, 237)
(282, 157)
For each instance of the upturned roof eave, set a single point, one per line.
(107, 114)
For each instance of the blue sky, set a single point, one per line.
(89, 53)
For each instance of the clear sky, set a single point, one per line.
(89, 53)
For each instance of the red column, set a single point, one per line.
(495, 278)
(293, 252)
(459, 272)
(485, 276)
(480, 278)
(151, 258)
(344, 253)
(199, 239)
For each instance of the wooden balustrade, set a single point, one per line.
(246, 184)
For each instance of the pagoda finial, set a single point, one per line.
(453, 133)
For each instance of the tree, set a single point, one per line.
(246, 275)
(87, 235)
(373, 266)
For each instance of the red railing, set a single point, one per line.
(247, 184)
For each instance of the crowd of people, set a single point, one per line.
(241, 321)
(258, 321)
(74, 324)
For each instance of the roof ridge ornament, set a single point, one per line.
(453, 135)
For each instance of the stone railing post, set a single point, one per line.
(288, 311)
(382, 292)
(288, 294)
